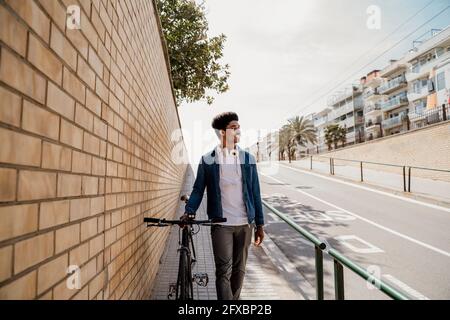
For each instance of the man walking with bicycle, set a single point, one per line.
(230, 177)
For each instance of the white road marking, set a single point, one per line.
(369, 248)
(418, 242)
(405, 287)
(434, 206)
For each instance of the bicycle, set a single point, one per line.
(184, 287)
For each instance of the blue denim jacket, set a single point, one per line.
(208, 177)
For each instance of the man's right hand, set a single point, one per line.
(186, 217)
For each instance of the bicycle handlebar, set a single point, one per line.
(164, 222)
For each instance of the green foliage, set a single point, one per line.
(335, 134)
(297, 132)
(194, 58)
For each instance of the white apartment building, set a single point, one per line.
(395, 106)
(347, 111)
(373, 115)
(428, 77)
(320, 120)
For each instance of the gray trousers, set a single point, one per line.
(230, 247)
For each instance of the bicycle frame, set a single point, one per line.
(187, 257)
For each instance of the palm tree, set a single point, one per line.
(332, 134)
(303, 131)
(286, 142)
(342, 136)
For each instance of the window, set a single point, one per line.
(417, 86)
(424, 83)
(440, 81)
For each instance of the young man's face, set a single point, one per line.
(233, 132)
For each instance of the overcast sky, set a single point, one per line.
(287, 55)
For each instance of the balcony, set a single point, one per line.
(423, 70)
(372, 107)
(416, 95)
(393, 122)
(392, 85)
(394, 103)
(373, 123)
(359, 120)
(372, 95)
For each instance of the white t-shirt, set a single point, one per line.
(233, 206)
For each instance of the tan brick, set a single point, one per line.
(97, 205)
(47, 296)
(69, 185)
(23, 288)
(98, 25)
(101, 90)
(79, 255)
(89, 185)
(79, 41)
(67, 237)
(56, 157)
(36, 185)
(93, 102)
(60, 101)
(105, 18)
(38, 120)
(88, 229)
(84, 118)
(95, 62)
(52, 272)
(62, 292)
(43, 59)
(18, 220)
(86, 6)
(61, 46)
(11, 107)
(6, 256)
(29, 252)
(89, 31)
(74, 86)
(7, 184)
(71, 134)
(86, 73)
(83, 294)
(53, 213)
(88, 271)
(21, 77)
(96, 285)
(96, 245)
(98, 166)
(33, 15)
(79, 208)
(56, 12)
(81, 162)
(12, 32)
(100, 128)
(19, 148)
(91, 143)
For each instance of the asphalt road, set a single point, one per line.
(405, 242)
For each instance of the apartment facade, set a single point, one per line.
(373, 99)
(347, 111)
(320, 120)
(428, 78)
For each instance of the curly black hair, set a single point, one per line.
(221, 121)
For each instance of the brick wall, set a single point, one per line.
(85, 123)
(426, 147)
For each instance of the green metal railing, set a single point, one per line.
(340, 261)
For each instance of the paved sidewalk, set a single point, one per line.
(266, 278)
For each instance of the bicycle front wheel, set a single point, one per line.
(185, 277)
